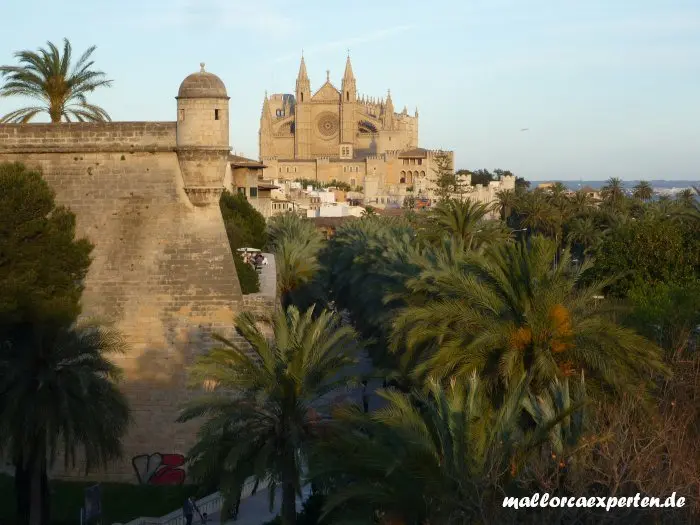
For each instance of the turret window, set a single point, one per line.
(216, 114)
(181, 115)
(347, 96)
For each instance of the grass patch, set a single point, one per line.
(121, 502)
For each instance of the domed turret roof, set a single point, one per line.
(202, 85)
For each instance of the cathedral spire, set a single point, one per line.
(349, 85)
(303, 90)
(349, 75)
(302, 69)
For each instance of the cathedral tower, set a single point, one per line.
(202, 136)
(348, 124)
(302, 112)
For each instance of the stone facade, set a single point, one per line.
(146, 194)
(332, 122)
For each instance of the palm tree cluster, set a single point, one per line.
(501, 356)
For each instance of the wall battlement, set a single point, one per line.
(86, 137)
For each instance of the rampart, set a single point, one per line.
(122, 137)
(162, 270)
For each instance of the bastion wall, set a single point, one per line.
(162, 270)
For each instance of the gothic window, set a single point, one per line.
(422, 174)
(403, 174)
(403, 180)
(302, 97)
(347, 96)
(295, 169)
(353, 182)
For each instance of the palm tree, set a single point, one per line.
(463, 219)
(296, 244)
(613, 193)
(506, 201)
(47, 77)
(538, 214)
(510, 311)
(581, 202)
(428, 457)
(264, 402)
(686, 198)
(584, 232)
(643, 191)
(58, 395)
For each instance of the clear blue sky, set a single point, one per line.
(606, 87)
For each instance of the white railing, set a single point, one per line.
(210, 505)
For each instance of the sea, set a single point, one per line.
(661, 187)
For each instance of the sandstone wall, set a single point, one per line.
(120, 137)
(163, 272)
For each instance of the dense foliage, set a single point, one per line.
(245, 228)
(58, 391)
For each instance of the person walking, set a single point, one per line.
(188, 510)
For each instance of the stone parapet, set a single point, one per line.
(86, 137)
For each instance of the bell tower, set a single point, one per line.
(348, 105)
(302, 114)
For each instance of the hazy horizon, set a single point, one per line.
(604, 89)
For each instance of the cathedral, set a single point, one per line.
(336, 134)
(332, 122)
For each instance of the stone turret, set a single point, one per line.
(203, 136)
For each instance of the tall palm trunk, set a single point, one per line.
(37, 486)
(289, 493)
(22, 488)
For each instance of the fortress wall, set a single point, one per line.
(162, 272)
(76, 137)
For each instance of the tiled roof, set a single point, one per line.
(242, 162)
(417, 153)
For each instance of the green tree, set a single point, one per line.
(668, 313)
(583, 233)
(507, 200)
(509, 312)
(536, 212)
(447, 182)
(366, 262)
(47, 77)
(265, 403)
(461, 218)
(42, 265)
(643, 191)
(245, 228)
(296, 243)
(58, 395)
(649, 250)
(429, 457)
(686, 197)
(613, 193)
(581, 202)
